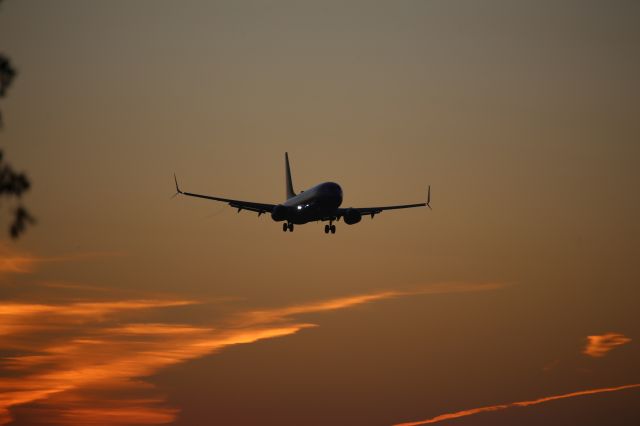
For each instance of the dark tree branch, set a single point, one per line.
(7, 74)
(12, 183)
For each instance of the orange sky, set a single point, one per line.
(123, 306)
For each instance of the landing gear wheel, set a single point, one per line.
(333, 229)
(290, 226)
(284, 227)
(326, 229)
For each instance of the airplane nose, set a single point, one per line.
(334, 193)
(334, 187)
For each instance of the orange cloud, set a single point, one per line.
(80, 409)
(490, 408)
(278, 314)
(112, 361)
(16, 264)
(598, 346)
(19, 318)
(12, 261)
(92, 350)
(21, 310)
(119, 415)
(156, 329)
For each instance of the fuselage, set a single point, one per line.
(316, 203)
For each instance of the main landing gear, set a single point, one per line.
(330, 228)
(287, 226)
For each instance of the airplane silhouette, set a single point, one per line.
(319, 203)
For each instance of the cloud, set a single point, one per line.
(12, 261)
(21, 318)
(96, 357)
(84, 309)
(598, 346)
(490, 408)
(278, 314)
(123, 413)
(15, 263)
(90, 349)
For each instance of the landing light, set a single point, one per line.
(299, 207)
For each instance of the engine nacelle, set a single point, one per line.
(279, 213)
(352, 216)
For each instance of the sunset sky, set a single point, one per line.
(515, 300)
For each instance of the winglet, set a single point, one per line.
(178, 191)
(429, 197)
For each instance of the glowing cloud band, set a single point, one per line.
(490, 408)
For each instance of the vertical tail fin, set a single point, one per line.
(290, 192)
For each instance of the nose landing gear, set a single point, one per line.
(287, 226)
(330, 228)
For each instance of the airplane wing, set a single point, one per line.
(240, 205)
(375, 210)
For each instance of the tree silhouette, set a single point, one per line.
(12, 183)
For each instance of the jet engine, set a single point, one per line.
(352, 216)
(279, 213)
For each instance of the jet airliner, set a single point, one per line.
(319, 203)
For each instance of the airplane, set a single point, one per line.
(319, 203)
